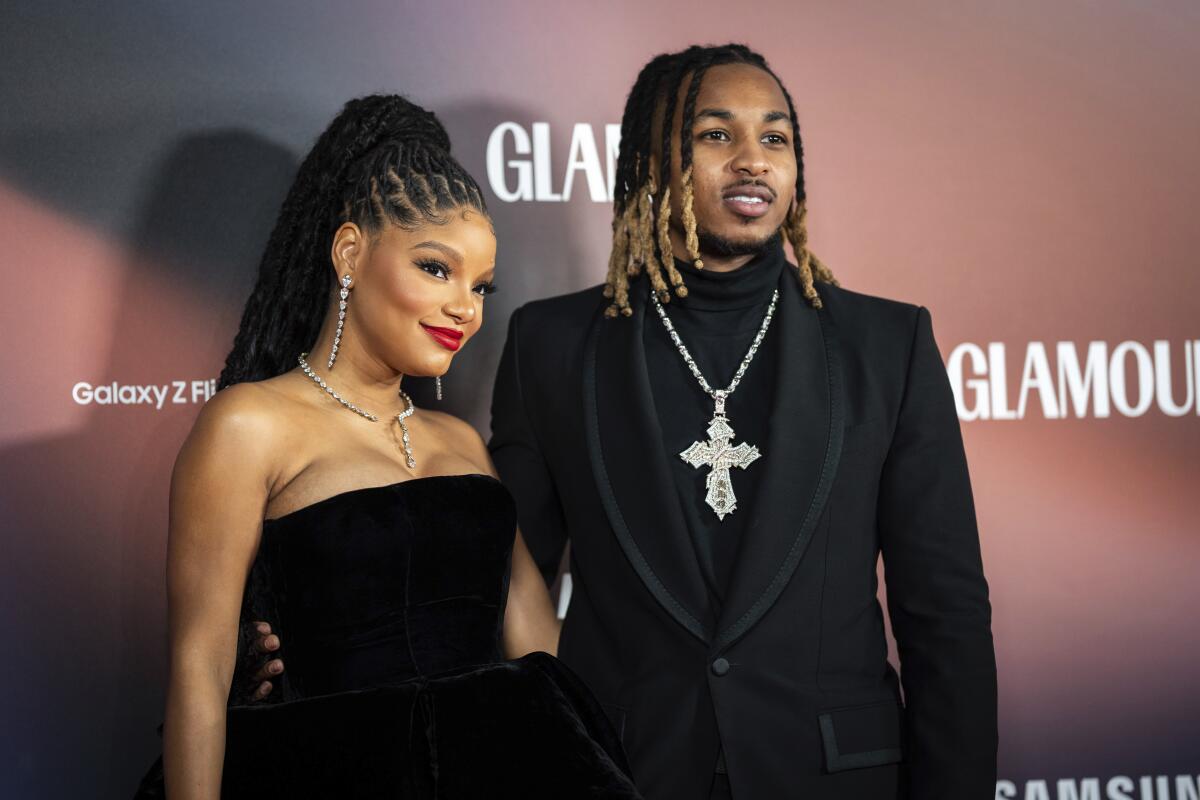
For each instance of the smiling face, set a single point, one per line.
(743, 163)
(417, 295)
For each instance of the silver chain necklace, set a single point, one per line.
(403, 415)
(718, 453)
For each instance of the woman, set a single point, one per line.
(374, 536)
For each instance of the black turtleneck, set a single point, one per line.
(717, 322)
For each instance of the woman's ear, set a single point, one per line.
(349, 247)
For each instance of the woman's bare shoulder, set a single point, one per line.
(245, 424)
(253, 409)
(460, 436)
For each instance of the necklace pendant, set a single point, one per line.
(403, 415)
(720, 456)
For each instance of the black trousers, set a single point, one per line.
(720, 787)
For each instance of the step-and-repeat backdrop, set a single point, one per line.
(1028, 171)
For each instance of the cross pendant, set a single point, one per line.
(721, 456)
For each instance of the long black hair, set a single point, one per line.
(641, 200)
(383, 160)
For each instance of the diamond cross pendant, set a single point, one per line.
(721, 456)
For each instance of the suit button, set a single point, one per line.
(720, 667)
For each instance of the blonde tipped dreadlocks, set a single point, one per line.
(632, 250)
(641, 219)
(666, 253)
(689, 220)
(810, 267)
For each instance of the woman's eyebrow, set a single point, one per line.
(446, 250)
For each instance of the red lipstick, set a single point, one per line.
(448, 338)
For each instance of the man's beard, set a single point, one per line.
(714, 245)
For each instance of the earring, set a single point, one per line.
(343, 295)
(437, 382)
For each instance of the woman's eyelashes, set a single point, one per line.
(441, 270)
(435, 268)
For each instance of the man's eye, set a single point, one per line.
(775, 138)
(435, 268)
(718, 136)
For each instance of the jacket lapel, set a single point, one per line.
(630, 469)
(801, 458)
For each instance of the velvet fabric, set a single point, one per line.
(389, 602)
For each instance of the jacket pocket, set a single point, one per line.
(862, 736)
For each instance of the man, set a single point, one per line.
(729, 441)
(727, 617)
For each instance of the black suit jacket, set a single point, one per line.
(790, 675)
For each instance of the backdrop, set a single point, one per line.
(1027, 170)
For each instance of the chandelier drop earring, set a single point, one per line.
(437, 382)
(343, 297)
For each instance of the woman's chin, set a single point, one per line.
(431, 368)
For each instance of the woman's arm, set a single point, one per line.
(218, 493)
(529, 620)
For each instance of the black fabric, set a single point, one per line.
(390, 601)
(862, 736)
(720, 789)
(717, 322)
(864, 456)
(623, 449)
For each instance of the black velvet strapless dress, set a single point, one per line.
(389, 602)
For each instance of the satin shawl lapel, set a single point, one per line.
(630, 468)
(801, 458)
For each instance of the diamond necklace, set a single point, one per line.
(718, 453)
(403, 415)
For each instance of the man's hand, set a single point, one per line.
(265, 643)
